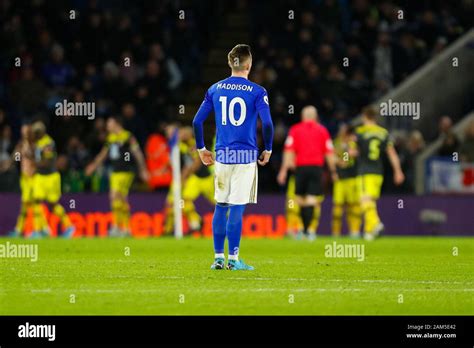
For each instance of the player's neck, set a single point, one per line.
(243, 74)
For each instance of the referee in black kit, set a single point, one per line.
(307, 147)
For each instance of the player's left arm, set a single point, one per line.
(8, 163)
(191, 169)
(263, 108)
(47, 158)
(98, 160)
(330, 155)
(398, 176)
(356, 138)
(198, 124)
(287, 163)
(138, 154)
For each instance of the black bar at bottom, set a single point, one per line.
(135, 330)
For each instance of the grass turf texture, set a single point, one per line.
(158, 271)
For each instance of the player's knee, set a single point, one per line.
(236, 213)
(116, 204)
(337, 211)
(311, 200)
(58, 209)
(114, 195)
(300, 200)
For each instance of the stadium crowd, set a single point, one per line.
(300, 63)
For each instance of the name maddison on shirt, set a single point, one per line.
(234, 87)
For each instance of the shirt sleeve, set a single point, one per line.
(388, 142)
(290, 141)
(262, 101)
(328, 146)
(263, 107)
(203, 112)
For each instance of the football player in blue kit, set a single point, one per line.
(237, 104)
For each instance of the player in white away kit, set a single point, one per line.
(236, 102)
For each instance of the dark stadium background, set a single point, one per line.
(417, 51)
(178, 49)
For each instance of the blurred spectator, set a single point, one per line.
(113, 87)
(28, 93)
(7, 173)
(96, 138)
(157, 54)
(56, 72)
(6, 144)
(414, 146)
(466, 150)
(3, 120)
(133, 122)
(77, 153)
(383, 69)
(299, 62)
(450, 143)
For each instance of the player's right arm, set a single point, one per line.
(398, 176)
(330, 156)
(287, 164)
(47, 156)
(198, 122)
(263, 107)
(98, 160)
(191, 169)
(288, 161)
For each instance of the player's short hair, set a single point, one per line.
(370, 112)
(239, 56)
(118, 119)
(38, 128)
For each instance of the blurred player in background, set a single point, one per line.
(293, 213)
(157, 154)
(293, 219)
(372, 141)
(24, 153)
(236, 102)
(307, 147)
(346, 194)
(47, 184)
(196, 180)
(120, 145)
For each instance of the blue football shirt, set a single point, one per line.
(237, 104)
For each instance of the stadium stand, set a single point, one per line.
(172, 63)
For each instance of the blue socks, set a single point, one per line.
(231, 226)
(218, 227)
(234, 229)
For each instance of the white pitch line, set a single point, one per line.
(114, 276)
(357, 280)
(40, 290)
(253, 290)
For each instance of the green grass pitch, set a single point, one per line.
(399, 276)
